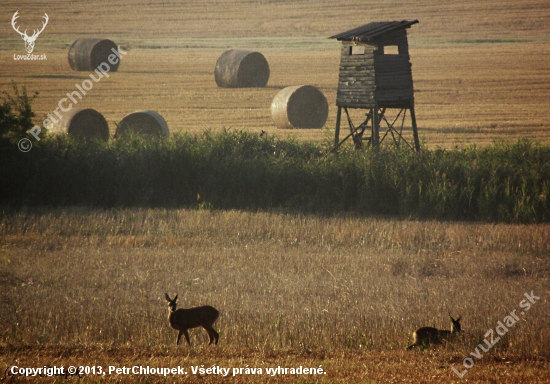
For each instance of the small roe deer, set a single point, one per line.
(429, 335)
(184, 319)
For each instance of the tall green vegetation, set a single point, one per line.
(505, 182)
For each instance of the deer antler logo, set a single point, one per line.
(29, 40)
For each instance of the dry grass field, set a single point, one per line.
(85, 287)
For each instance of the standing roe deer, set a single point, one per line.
(430, 335)
(184, 319)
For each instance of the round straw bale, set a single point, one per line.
(241, 69)
(82, 124)
(300, 106)
(88, 53)
(147, 123)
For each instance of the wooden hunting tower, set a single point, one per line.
(375, 74)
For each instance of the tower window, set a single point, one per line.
(391, 50)
(357, 50)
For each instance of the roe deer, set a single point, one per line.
(430, 335)
(184, 319)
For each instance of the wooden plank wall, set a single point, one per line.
(393, 71)
(374, 75)
(356, 81)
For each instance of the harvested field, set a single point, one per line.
(480, 70)
(344, 293)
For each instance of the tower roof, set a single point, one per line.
(373, 30)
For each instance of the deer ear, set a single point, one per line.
(175, 297)
(167, 297)
(458, 320)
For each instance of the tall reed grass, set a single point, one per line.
(507, 182)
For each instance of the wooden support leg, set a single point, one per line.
(375, 127)
(415, 130)
(337, 130)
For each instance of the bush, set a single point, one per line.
(16, 115)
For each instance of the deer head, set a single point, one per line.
(29, 40)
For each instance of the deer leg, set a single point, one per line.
(212, 334)
(216, 336)
(186, 334)
(179, 337)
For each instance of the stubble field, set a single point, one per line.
(86, 287)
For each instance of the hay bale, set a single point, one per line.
(88, 53)
(83, 124)
(300, 106)
(241, 69)
(148, 123)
